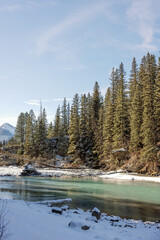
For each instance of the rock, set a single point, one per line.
(85, 227)
(114, 220)
(81, 225)
(57, 210)
(96, 213)
(127, 225)
(76, 212)
(29, 170)
(65, 208)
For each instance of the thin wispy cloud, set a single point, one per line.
(36, 102)
(66, 25)
(61, 99)
(10, 8)
(142, 16)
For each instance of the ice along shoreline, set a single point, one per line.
(115, 175)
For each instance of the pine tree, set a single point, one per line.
(136, 120)
(121, 128)
(41, 134)
(157, 104)
(114, 78)
(133, 80)
(20, 132)
(148, 125)
(50, 131)
(135, 108)
(74, 132)
(68, 116)
(29, 145)
(64, 118)
(63, 133)
(57, 123)
(84, 138)
(96, 106)
(99, 136)
(108, 126)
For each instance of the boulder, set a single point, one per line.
(29, 170)
(78, 225)
(85, 227)
(96, 213)
(57, 210)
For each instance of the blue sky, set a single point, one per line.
(51, 49)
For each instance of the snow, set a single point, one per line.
(130, 177)
(57, 201)
(8, 127)
(28, 220)
(96, 210)
(118, 175)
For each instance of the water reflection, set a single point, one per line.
(129, 200)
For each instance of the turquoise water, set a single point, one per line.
(126, 199)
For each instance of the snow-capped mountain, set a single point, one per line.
(6, 132)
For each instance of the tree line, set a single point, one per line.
(126, 120)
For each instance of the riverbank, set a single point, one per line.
(28, 220)
(45, 172)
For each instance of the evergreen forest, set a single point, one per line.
(121, 129)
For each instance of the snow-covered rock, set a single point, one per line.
(57, 210)
(96, 213)
(29, 170)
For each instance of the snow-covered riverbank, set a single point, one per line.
(119, 175)
(37, 222)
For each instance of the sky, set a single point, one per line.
(51, 49)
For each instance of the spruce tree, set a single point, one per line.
(157, 104)
(108, 126)
(148, 125)
(74, 132)
(121, 125)
(99, 136)
(84, 138)
(64, 118)
(41, 134)
(57, 123)
(133, 80)
(96, 105)
(50, 131)
(63, 133)
(136, 120)
(135, 108)
(27, 144)
(20, 132)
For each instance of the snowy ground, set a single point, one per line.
(37, 222)
(119, 175)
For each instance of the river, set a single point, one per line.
(130, 199)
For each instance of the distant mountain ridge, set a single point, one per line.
(6, 132)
